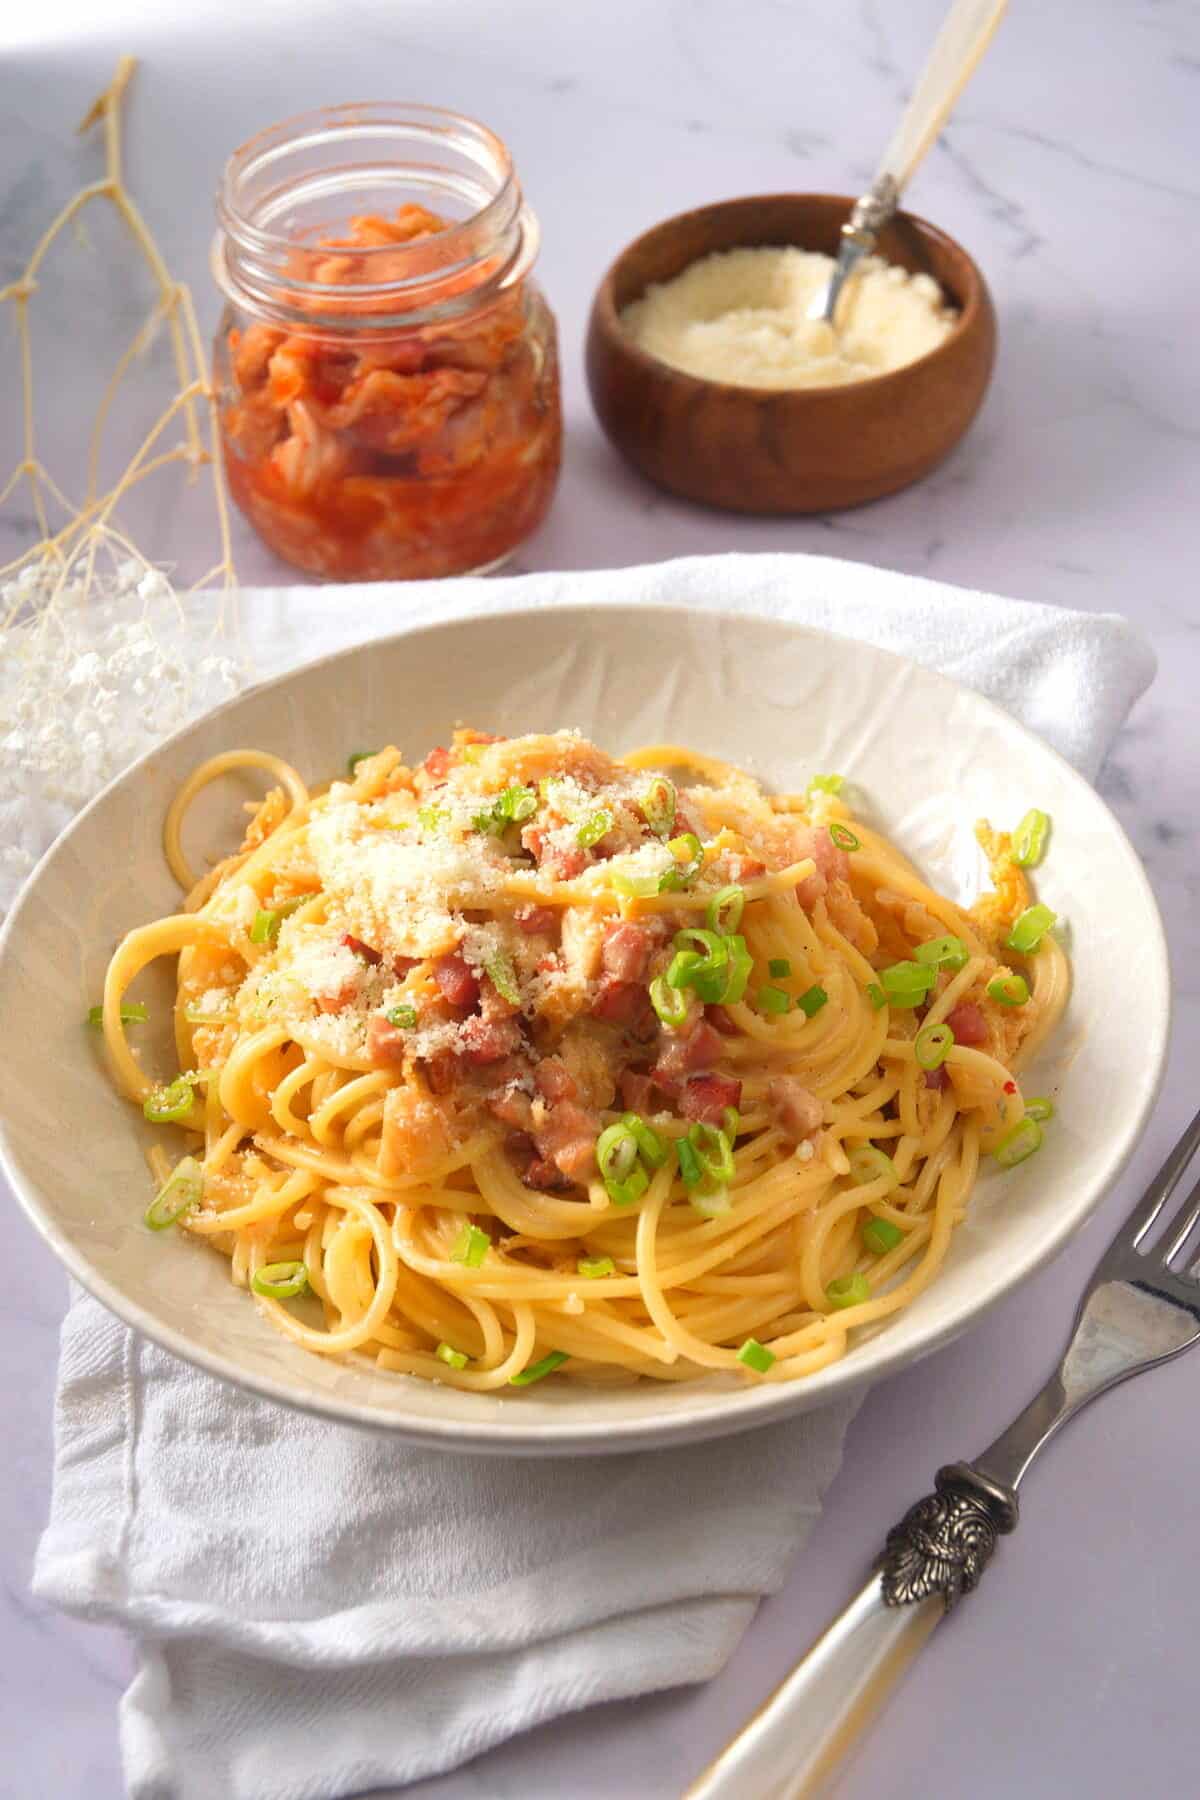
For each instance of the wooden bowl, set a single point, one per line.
(802, 450)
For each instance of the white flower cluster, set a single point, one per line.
(91, 679)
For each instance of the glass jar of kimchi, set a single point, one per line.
(387, 370)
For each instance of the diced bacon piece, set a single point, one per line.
(618, 1002)
(544, 1175)
(720, 1020)
(456, 980)
(967, 1022)
(385, 1042)
(563, 864)
(796, 1109)
(336, 999)
(706, 1097)
(401, 965)
(554, 1080)
(832, 864)
(568, 1139)
(937, 1078)
(519, 1145)
(533, 919)
(488, 1040)
(514, 1107)
(679, 1055)
(637, 1091)
(360, 949)
(626, 951)
(441, 1071)
(745, 868)
(438, 763)
(415, 1135)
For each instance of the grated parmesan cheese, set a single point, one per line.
(739, 316)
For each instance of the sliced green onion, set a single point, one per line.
(731, 1123)
(709, 945)
(594, 1268)
(617, 1151)
(682, 968)
(876, 995)
(432, 818)
(183, 1190)
(357, 756)
(843, 837)
(848, 1290)
(943, 953)
(756, 1356)
(907, 983)
(512, 807)
(133, 1014)
(625, 1193)
(658, 806)
(281, 1280)
(685, 872)
(779, 968)
(499, 970)
(453, 1359)
(725, 910)
(691, 1172)
(934, 1044)
(470, 1246)
(869, 1163)
(166, 1104)
(196, 1015)
(1008, 990)
(709, 1200)
(403, 1018)
(826, 784)
(773, 1000)
(265, 928)
(880, 1235)
(1039, 1108)
(634, 887)
(652, 1148)
(594, 828)
(726, 988)
(537, 1370)
(713, 1151)
(1019, 1143)
(1030, 928)
(670, 1003)
(812, 1000)
(1029, 839)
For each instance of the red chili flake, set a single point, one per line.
(1010, 1087)
(361, 949)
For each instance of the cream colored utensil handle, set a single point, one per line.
(793, 1744)
(968, 30)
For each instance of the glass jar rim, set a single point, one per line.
(254, 264)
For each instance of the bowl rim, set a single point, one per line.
(972, 315)
(761, 1405)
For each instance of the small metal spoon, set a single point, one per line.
(965, 34)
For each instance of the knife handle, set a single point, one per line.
(804, 1731)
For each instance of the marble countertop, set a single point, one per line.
(1067, 173)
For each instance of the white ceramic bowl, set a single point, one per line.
(931, 758)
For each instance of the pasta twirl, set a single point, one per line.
(530, 1062)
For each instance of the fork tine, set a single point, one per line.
(1140, 1220)
(1181, 1226)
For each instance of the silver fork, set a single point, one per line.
(1139, 1309)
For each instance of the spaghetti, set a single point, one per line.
(528, 1060)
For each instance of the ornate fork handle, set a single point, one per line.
(1137, 1311)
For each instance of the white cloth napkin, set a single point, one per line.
(319, 1610)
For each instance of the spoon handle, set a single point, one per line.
(966, 32)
